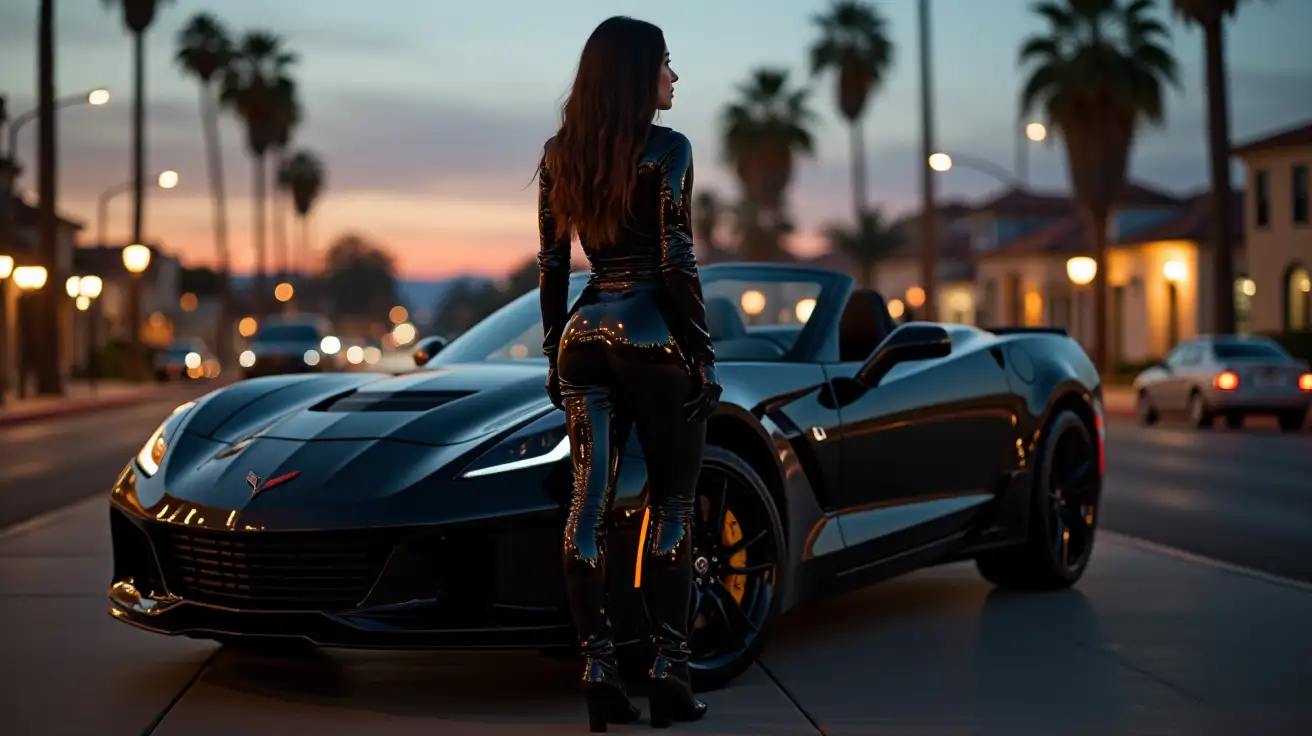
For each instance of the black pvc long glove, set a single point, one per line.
(706, 394)
(553, 282)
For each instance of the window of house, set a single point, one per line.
(1261, 199)
(1299, 190)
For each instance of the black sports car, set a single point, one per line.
(425, 509)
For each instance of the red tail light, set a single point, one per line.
(1305, 382)
(1226, 381)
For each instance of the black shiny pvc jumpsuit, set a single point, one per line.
(627, 357)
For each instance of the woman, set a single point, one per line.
(635, 351)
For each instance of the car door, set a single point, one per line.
(925, 446)
(1172, 392)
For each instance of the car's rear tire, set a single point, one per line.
(733, 614)
(1199, 414)
(1063, 513)
(1292, 421)
(1147, 412)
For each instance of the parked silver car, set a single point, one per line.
(1232, 376)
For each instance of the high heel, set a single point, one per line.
(603, 690)
(607, 703)
(670, 693)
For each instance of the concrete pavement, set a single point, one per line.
(1147, 643)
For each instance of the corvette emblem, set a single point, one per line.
(257, 488)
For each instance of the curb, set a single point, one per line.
(74, 407)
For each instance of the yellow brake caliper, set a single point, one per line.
(733, 534)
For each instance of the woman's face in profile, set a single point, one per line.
(665, 86)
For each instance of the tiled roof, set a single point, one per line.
(25, 215)
(1195, 222)
(1025, 202)
(1297, 136)
(1071, 234)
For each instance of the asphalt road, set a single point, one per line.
(50, 463)
(1240, 496)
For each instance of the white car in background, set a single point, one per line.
(1231, 376)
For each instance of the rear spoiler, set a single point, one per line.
(1027, 330)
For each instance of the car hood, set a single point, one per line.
(447, 406)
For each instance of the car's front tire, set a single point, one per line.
(1144, 407)
(1063, 513)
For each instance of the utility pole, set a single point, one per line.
(929, 213)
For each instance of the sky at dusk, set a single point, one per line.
(430, 115)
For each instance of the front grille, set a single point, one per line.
(273, 570)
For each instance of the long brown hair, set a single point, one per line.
(593, 161)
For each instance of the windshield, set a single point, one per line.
(287, 333)
(1249, 349)
(756, 319)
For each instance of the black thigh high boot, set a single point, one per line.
(585, 561)
(669, 593)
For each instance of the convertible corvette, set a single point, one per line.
(424, 509)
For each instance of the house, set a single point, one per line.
(24, 250)
(1278, 234)
(1005, 262)
(160, 297)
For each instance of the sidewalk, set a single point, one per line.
(78, 397)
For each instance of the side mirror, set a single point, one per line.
(911, 341)
(427, 347)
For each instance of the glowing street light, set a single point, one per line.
(753, 301)
(284, 292)
(940, 162)
(30, 278)
(6, 266)
(1037, 132)
(168, 179)
(136, 258)
(1081, 270)
(98, 97)
(1175, 271)
(90, 287)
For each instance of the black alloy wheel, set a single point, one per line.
(738, 552)
(1064, 515)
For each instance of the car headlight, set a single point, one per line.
(542, 442)
(152, 453)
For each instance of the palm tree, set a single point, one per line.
(287, 117)
(258, 87)
(707, 213)
(764, 132)
(1210, 15)
(870, 242)
(204, 52)
(137, 16)
(854, 42)
(304, 175)
(1099, 75)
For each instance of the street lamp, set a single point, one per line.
(136, 259)
(84, 290)
(1081, 270)
(30, 278)
(943, 162)
(95, 98)
(166, 179)
(27, 279)
(6, 268)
